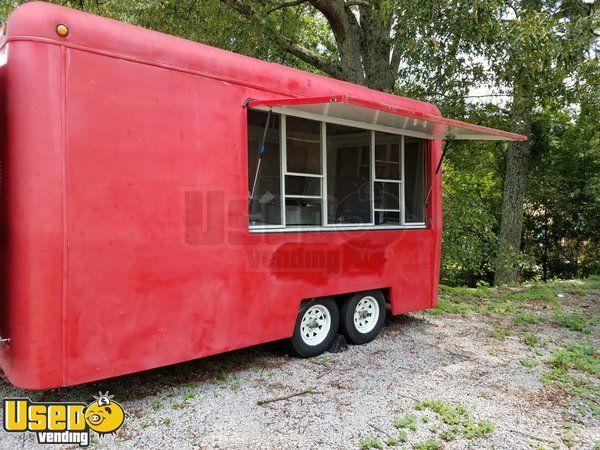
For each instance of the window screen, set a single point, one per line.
(387, 185)
(348, 175)
(304, 172)
(414, 174)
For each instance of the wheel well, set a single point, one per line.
(340, 298)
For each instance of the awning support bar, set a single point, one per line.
(437, 171)
(261, 151)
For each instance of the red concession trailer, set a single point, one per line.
(163, 201)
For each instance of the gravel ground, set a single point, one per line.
(353, 395)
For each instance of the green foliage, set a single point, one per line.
(402, 436)
(575, 369)
(449, 414)
(458, 418)
(574, 322)
(157, 404)
(409, 421)
(528, 318)
(535, 293)
(391, 441)
(430, 444)
(582, 357)
(529, 363)
(500, 333)
(530, 340)
(370, 442)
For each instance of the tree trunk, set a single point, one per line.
(513, 198)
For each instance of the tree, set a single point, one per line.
(537, 50)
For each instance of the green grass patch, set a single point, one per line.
(529, 318)
(430, 444)
(407, 422)
(530, 339)
(500, 333)
(544, 293)
(370, 442)
(459, 419)
(529, 363)
(392, 441)
(592, 282)
(582, 357)
(503, 300)
(500, 306)
(453, 306)
(571, 367)
(574, 322)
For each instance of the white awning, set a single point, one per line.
(351, 111)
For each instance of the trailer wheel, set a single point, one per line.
(316, 327)
(362, 316)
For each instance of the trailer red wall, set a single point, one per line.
(125, 206)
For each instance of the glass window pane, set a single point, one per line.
(302, 185)
(348, 175)
(303, 145)
(387, 218)
(302, 211)
(265, 206)
(414, 173)
(387, 195)
(387, 156)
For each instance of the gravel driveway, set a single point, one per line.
(364, 396)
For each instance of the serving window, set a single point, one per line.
(306, 174)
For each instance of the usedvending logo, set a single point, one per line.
(63, 422)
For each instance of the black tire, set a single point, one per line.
(304, 331)
(352, 330)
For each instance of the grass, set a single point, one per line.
(448, 423)
(156, 404)
(189, 395)
(430, 444)
(570, 370)
(573, 322)
(528, 318)
(568, 440)
(458, 418)
(505, 300)
(408, 422)
(393, 441)
(530, 339)
(579, 356)
(370, 442)
(529, 363)
(500, 333)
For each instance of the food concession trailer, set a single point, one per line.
(163, 200)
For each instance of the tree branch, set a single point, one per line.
(346, 30)
(190, 9)
(285, 5)
(311, 57)
(357, 3)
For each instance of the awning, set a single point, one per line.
(351, 111)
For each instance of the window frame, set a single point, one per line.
(325, 226)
